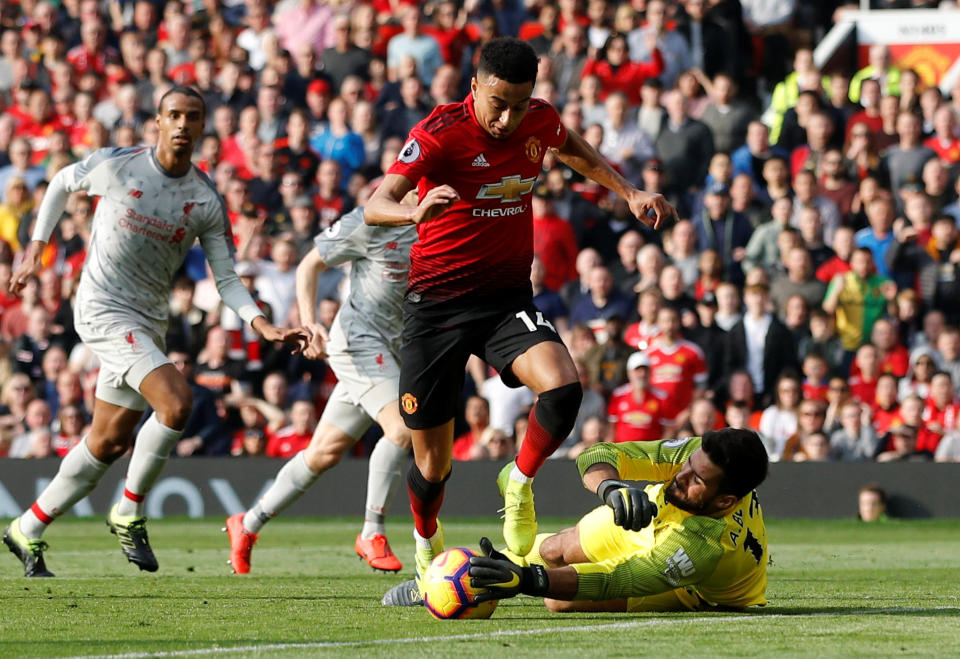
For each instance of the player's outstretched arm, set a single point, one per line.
(651, 209)
(307, 272)
(388, 206)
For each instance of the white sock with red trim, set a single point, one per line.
(79, 473)
(383, 477)
(150, 453)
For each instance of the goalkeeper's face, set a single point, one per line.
(696, 488)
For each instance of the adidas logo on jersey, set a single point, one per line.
(480, 161)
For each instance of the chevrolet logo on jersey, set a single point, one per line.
(509, 189)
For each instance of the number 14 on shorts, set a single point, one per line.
(541, 321)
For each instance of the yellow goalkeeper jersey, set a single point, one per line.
(716, 561)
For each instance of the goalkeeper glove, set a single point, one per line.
(502, 578)
(632, 509)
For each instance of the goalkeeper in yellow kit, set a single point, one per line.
(694, 539)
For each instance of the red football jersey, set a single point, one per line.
(641, 335)
(677, 370)
(862, 389)
(286, 443)
(637, 420)
(483, 243)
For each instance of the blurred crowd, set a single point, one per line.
(810, 287)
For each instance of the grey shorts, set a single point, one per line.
(125, 360)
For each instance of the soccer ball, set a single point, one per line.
(447, 592)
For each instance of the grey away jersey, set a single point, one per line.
(145, 222)
(380, 263)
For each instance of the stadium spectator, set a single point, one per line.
(606, 361)
(684, 146)
(287, 442)
(477, 416)
(569, 61)
(615, 71)
(779, 421)
(879, 69)
(624, 268)
(856, 439)
(806, 195)
(905, 161)
(725, 116)
(637, 411)
(858, 297)
(413, 42)
(872, 504)
(723, 230)
(798, 280)
(36, 424)
(903, 446)
(863, 386)
(760, 343)
(669, 42)
(601, 301)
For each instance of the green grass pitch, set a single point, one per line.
(836, 589)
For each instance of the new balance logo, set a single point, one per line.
(480, 161)
(136, 194)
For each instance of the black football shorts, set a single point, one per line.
(436, 349)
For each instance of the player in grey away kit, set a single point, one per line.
(364, 348)
(153, 205)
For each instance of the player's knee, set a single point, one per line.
(108, 446)
(322, 456)
(557, 409)
(399, 437)
(175, 410)
(551, 551)
(422, 486)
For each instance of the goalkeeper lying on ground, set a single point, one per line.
(693, 540)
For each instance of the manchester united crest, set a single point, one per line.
(532, 149)
(409, 403)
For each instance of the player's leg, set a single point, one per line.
(426, 480)
(80, 471)
(527, 350)
(431, 376)
(387, 460)
(340, 425)
(166, 390)
(169, 394)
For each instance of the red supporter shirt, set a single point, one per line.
(897, 361)
(640, 335)
(946, 418)
(463, 445)
(677, 370)
(627, 78)
(637, 420)
(883, 419)
(286, 443)
(556, 245)
(863, 390)
(483, 244)
(949, 152)
(815, 391)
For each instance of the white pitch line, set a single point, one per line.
(320, 645)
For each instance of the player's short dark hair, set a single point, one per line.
(510, 59)
(185, 91)
(742, 457)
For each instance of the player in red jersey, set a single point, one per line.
(636, 410)
(469, 292)
(677, 366)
